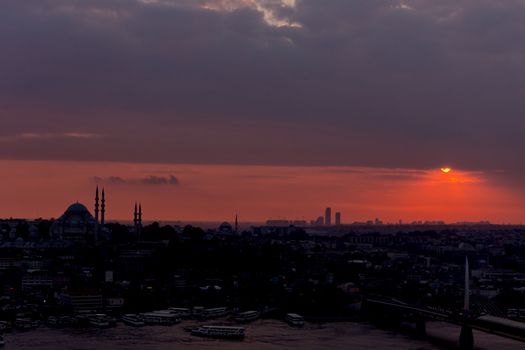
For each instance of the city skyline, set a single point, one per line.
(291, 173)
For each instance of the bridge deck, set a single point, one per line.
(489, 324)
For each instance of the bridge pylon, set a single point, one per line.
(466, 337)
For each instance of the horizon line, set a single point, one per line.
(264, 221)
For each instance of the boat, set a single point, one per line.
(226, 332)
(67, 321)
(24, 324)
(133, 320)
(247, 316)
(98, 321)
(112, 321)
(521, 313)
(82, 320)
(181, 311)
(160, 318)
(294, 320)
(2, 341)
(5, 326)
(52, 321)
(197, 311)
(214, 312)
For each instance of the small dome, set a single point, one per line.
(225, 227)
(77, 208)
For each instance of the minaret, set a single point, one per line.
(135, 216)
(139, 222)
(96, 205)
(96, 215)
(466, 305)
(140, 215)
(236, 223)
(102, 208)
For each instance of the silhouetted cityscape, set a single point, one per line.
(262, 174)
(80, 270)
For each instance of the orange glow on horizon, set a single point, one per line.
(34, 189)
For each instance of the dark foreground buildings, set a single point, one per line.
(80, 263)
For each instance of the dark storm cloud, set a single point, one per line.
(376, 83)
(150, 180)
(116, 180)
(109, 180)
(157, 180)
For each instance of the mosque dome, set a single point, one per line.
(225, 227)
(76, 224)
(77, 208)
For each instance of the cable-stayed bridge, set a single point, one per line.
(468, 318)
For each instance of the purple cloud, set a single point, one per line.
(150, 180)
(412, 84)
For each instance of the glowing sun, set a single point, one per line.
(446, 170)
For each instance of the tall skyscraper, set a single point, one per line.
(338, 218)
(137, 220)
(328, 216)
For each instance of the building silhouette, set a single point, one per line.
(137, 220)
(328, 216)
(78, 225)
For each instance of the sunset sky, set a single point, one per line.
(201, 109)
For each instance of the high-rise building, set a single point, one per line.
(137, 220)
(328, 216)
(338, 218)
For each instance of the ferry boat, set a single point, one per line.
(83, 320)
(52, 321)
(98, 321)
(62, 321)
(133, 320)
(24, 324)
(67, 321)
(227, 332)
(294, 320)
(5, 326)
(247, 316)
(112, 321)
(160, 317)
(521, 313)
(214, 312)
(197, 311)
(182, 312)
